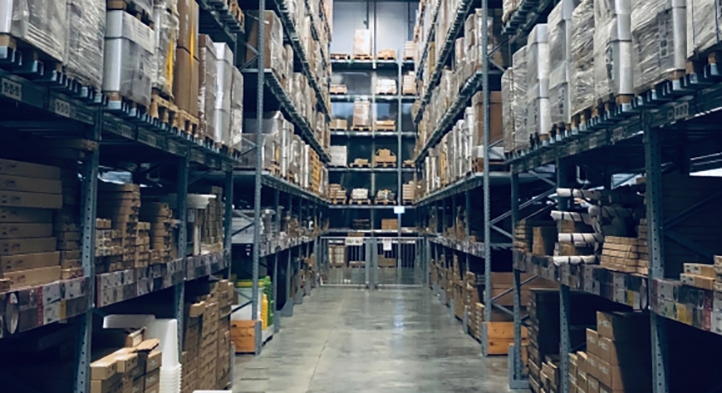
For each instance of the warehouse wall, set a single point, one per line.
(385, 19)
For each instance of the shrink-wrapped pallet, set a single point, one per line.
(704, 26)
(519, 101)
(581, 62)
(659, 38)
(386, 86)
(507, 105)
(508, 8)
(285, 141)
(224, 81)
(207, 86)
(473, 28)
(166, 35)
(128, 58)
(537, 57)
(85, 41)
(612, 49)
(273, 50)
(272, 126)
(339, 155)
(362, 43)
(361, 114)
(236, 127)
(560, 24)
(40, 23)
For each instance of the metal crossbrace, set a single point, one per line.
(502, 231)
(544, 179)
(528, 280)
(690, 244)
(200, 176)
(526, 204)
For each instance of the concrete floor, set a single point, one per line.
(349, 340)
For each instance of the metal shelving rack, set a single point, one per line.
(642, 138)
(374, 65)
(285, 195)
(51, 107)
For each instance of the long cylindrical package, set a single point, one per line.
(86, 41)
(208, 73)
(519, 100)
(581, 62)
(40, 23)
(128, 58)
(704, 26)
(612, 49)
(166, 35)
(659, 37)
(236, 127)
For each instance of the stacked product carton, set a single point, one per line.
(224, 81)
(560, 25)
(519, 100)
(166, 35)
(581, 62)
(186, 76)
(273, 52)
(208, 74)
(612, 49)
(85, 40)
(537, 57)
(39, 23)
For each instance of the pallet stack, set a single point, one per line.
(191, 346)
(620, 254)
(108, 247)
(135, 367)
(29, 253)
(700, 275)
(160, 217)
(120, 203)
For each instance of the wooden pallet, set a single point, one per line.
(408, 164)
(607, 105)
(132, 8)
(386, 57)
(162, 109)
(581, 118)
(338, 89)
(360, 128)
(362, 57)
(338, 201)
(407, 201)
(359, 201)
(559, 130)
(385, 202)
(494, 165)
(360, 165)
(385, 164)
(385, 125)
(340, 56)
(185, 122)
(113, 96)
(386, 93)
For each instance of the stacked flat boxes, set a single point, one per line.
(28, 250)
(209, 347)
(160, 216)
(543, 332)
(108, 244)
(134, 368)
(121, 204)
(191, 346)
(226, 295)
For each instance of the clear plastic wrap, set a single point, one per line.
(273, 125)
(362, 43)
(519, 101)
(659, 37)
(166, 35)
(273, 52)
(236, 127)
(128, 58)
(612, 49)
(386, 86)
(224, 81)
(408, 84)
(581, 63)
(507, 94)
(40, 23)
(704, 25)
(208, 73)
(339, 155)
(86, 41)
(361, 114)
(537, 57)
(509, 7)
(560, 24)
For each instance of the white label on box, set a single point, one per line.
(354, 241)
(51, 313)
(51, 293)
(399, 209)
(386, 244)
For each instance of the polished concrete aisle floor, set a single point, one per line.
(348, 340)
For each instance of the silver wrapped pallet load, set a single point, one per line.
(659, 40)
(166, 29)
(208, 73)
(86, 42)
(704, 26)
(129, 57)
(560, 25)
(581, 62)
(285, 141)
(224, 81)
(537, 57)
(41, 24)
(507, 100)
(519, 101)
(236, 124)
(613, 51)
(272, 126)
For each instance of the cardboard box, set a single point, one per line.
(592, 342)
(26, 169)
(28, 184)
(390, 223)
(496, 126)
(183, 80)
(103, 368)
(188, 14)
(27, 246)
(154, 361)
(619, 326)
(138, 385)
(25, 230)
(623, 352)
(31, 199)
(627, 378)
(592, 384)
(110, 385)
(26, 278)
(15, 263)
(18, 214)
(152, 378)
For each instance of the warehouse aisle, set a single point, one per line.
(346, 340)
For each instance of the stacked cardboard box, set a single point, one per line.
(209, 347)
(618, 353)
(699, 275)
(160, 217)
(191, 346)
(620, 254)
(408, 191)
(336, 255)
(642, 247)
(108, 244)
(29, 253)
(408, 84)
(390, 224)
(141, 243)
(120, 203)
(362, 44)
(124, 361)
(186, 78)
(570, 226)
(336, 193)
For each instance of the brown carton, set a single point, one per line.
(619, 326)
(29, 184)
(188, 14)
(19, 231)
(27, 246)
(496, 127)
(18, 214)
(15, 263)
(26, 169)
(183, 80)
(26, 278)
(31, 199)
(592, 342)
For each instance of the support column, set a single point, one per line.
(179, 289)
(564, 342)
(517, 379)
